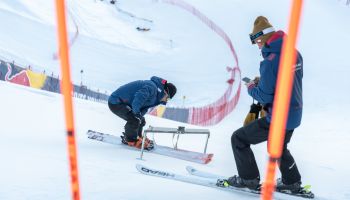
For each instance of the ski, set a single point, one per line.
(304, 191)
(193, 171)
(209, 182)
(191, 156)
(193, 180)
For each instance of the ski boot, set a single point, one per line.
(236, 181)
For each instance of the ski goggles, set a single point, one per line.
(253, 37)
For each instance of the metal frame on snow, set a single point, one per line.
(181, 130)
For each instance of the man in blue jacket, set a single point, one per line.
(132, 101)
(263, 91)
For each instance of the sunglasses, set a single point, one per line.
(253, 37)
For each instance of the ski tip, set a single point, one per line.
(139, 167)
(89, 133)
(190, 169)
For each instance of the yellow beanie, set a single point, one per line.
(260, 24)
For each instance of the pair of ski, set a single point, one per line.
(192, 156)
(218, 182)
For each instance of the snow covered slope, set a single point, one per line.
(180, 48)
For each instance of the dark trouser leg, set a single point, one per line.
(132, 125)
(143, 123)
(254, 133)
(288, 167)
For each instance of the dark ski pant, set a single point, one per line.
(133, 126)
(255, 133)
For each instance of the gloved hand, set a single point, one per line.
(256, 80)
(253, 83)
(250, 84)
(138, 116)
(253, 113)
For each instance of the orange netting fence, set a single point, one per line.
(213, 113)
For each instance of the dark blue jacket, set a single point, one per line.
(265, 90)
(140, 95)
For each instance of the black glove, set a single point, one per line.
(255, 108)
(253, 113)
(138, 116)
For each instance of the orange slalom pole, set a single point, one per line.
(282, 99)
(66, 88)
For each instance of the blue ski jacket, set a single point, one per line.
(264, 91)
(140, 95)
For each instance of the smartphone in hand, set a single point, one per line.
(246, 80)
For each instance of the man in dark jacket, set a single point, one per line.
(132, 101)
(263, 91)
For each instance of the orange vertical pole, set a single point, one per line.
(66, 88)
(282, 99)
